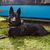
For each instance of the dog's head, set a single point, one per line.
(15, 16)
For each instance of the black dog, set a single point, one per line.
(16, 28)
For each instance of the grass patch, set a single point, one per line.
(2, 18)
(3, 31)
(26, 43)
(3, 24)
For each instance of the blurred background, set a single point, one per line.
(25, 2)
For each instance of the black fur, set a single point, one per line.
(26, 29)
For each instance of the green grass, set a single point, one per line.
(3, 27)
(25, 42)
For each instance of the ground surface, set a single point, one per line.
(23, 43)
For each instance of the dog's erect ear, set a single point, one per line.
(11, 11)
(18, 12)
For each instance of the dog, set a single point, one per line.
(16, 28)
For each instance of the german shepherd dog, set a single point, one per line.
(16, 28)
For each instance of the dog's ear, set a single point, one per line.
(18, 12)
(11, 11)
